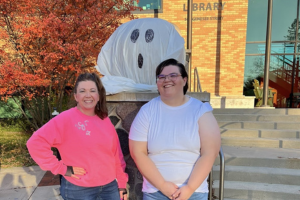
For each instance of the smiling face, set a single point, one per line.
(171, 87)
(87, 97)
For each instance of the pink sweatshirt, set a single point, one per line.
(83, 141)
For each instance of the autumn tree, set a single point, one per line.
(45, 45)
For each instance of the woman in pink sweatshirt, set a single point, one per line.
(92, 162)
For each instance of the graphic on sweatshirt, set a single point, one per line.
(83, 126)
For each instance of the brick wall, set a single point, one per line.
(218, 48)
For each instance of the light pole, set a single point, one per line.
(189, 39)
(267, 55)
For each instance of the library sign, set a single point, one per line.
(205, 7)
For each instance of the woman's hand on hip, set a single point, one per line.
(78, 171)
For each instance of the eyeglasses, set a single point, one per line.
(172, 77)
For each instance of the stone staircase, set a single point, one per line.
(262, 154)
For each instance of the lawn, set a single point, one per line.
(13, 150)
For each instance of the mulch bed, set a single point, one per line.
(49, 179)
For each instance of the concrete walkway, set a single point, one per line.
(32, 183)
(25, 183)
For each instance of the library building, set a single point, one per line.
(228, 48)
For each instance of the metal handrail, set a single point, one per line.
(198, 81)
(221, 182)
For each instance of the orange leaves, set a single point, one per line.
(49, 42)
(14, 75)
(46, 44)
(15, 80)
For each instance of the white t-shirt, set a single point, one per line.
(172, 137)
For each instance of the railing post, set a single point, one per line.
(198, 80)
(222, 170)
(221, 179)
(210, 184)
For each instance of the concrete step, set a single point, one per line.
(231, 199)
(253, 117)
(260, 133)
(259, 174)
(262, 142)
(257, 191)
(260, 157)
(259, 125)
(257, 111)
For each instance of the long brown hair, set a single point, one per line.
(102, 111)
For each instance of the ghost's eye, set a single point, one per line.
(149, 35)
(135, 35)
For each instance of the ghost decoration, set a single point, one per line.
(129, 58)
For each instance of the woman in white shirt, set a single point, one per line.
(174, 139)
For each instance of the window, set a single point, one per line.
(284, 71)
(149, 5)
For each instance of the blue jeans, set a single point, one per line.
(160, 196)
(69, 191)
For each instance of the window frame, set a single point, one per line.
(150, 10)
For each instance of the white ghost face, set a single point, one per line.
(149, 36)
(136, 48)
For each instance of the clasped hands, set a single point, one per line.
(174, 192)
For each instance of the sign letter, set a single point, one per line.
(195, 6)
(216, 6)
(184, 7)
(208, 6)
(201, 6)
(223, 5)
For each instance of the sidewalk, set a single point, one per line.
(28, 183)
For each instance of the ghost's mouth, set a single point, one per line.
(140, 60)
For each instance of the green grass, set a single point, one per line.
(13, 150)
